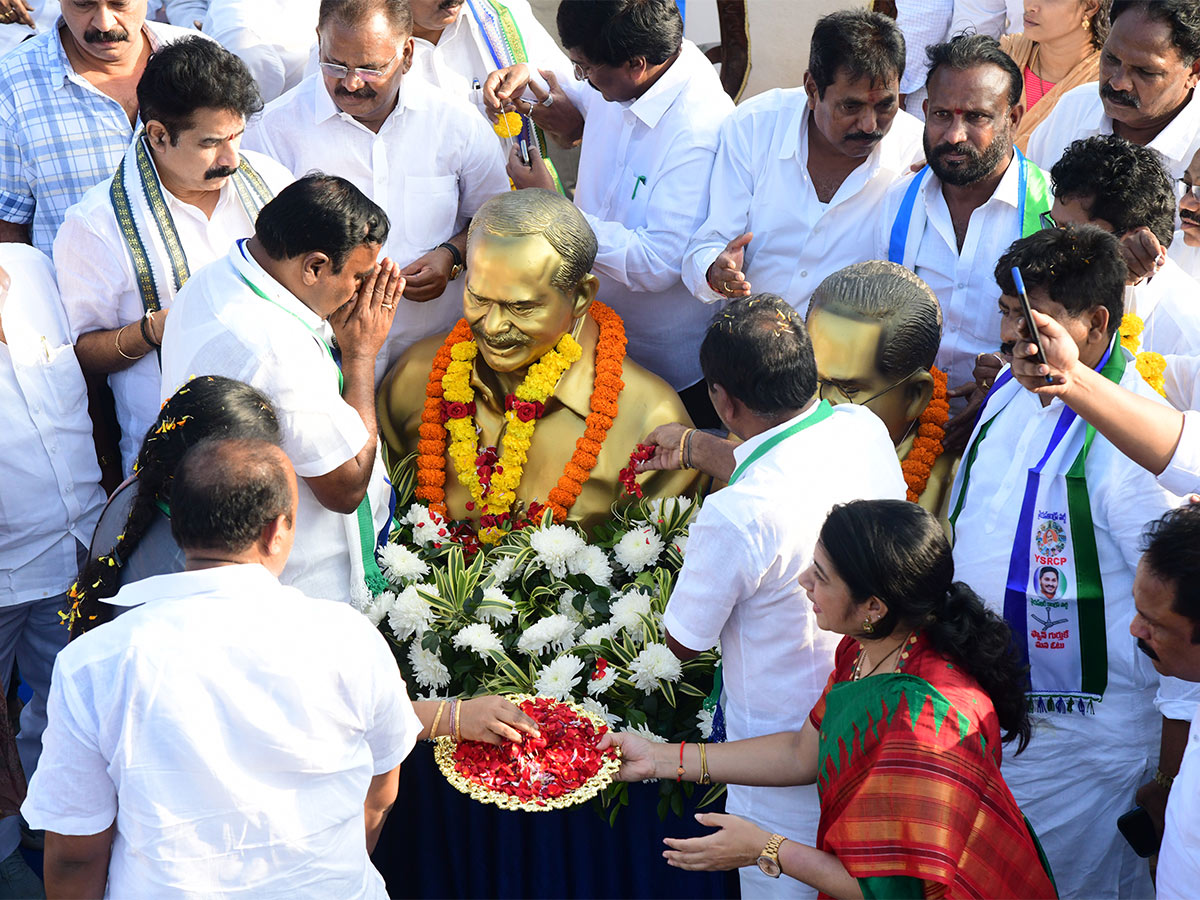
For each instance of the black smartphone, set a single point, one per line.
(1034, 334)
(1137, 828)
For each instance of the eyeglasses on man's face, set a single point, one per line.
(333, 70)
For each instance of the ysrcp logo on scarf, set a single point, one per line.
(1051, 538)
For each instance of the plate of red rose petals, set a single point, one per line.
(560, 767)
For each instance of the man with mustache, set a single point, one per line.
(68, 104)
(1148, 70)
(1185, 248)
(428, 158)
(182, 195)
(799, 172)
(951, 221)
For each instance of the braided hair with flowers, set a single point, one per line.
(208, 406)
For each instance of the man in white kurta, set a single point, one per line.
(234, 734)
(275, 38)
(93, 255)
(762, 183)
(234, 319)
(50, 485)
(430, 161)
(740, 586)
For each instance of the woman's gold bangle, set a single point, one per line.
(705, 778)
(437, 720)
(457, 718)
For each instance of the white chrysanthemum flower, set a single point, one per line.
(377, 608)
(418, 512)
(501, 616)
(654, 664)
(597, 633)
(597, 686)
(555, 632)
(596, 708)
(411, 613)
(661, 507)
(592, 562)
(558, 678)
(566, 607)
(502, 570)
(680, 543)
(431, 695)
(643, 732)
(425, 524)
(704, 719)
(627, 611)
(479, 639)
(427, 668)
(401, 564)
(638, 548)
(554, 545)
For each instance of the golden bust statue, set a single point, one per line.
(875, 330)
(534, 376)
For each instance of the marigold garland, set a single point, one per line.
(457, 353)
(927, 447)
(1150, 365)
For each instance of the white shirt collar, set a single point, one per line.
(891, 152)
(652, 105)
(1175, 141)
(1005, 192)
(744, 449)
(248, 268)
(325, 109)
(250, 580)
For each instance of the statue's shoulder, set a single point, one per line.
(654, 399)
(405, 381)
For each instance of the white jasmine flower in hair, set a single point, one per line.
(554, 545)
(654, 664)
(643, 732)
(638, 549)
(592, 562)
(377, 608)
(595, 707)
(502, 614)
(558, 678)
(627, 610)
(555, 632)
(502, 570)
(479, 639)
(598, 633)
(427, 668)
(704, 719)
(411, 613)
(401, 564)
(597, 686)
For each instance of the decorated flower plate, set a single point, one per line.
(561, 768)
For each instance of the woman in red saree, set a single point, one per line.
(905, 742)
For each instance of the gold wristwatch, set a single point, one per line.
(768, 860)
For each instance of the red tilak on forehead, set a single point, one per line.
(959, 112)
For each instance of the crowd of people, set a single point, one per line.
(930, 320)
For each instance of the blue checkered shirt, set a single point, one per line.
(59, 135)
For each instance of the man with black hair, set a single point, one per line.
(273, 313)
(1039, 488)
(950, 221)
(1149, 67)
(184, 192)
(231, 735)
(800, 172)
(657, 106)
(751, 541)
(427, 157)
(1123, 188)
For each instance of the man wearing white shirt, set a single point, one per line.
(183, 184)
(231, 735)
(1149, 67)
(991, 17)
(1122, 187)
(657, 111)
(429, 159)
(1037, 488)
(274, 38)
(799, 174)
(269, 314)
(950, 222)
(51, 487)
(800, 457)
(923, 24)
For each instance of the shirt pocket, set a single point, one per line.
(430, 209)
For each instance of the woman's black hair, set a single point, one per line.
(897, 551)
(210, 406)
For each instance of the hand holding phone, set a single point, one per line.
(1030, 325)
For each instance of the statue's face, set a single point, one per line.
(517, 315)
(847, 354)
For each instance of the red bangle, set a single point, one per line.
(680, 770)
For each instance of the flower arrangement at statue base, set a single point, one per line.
(548, 612)
(560, 767)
